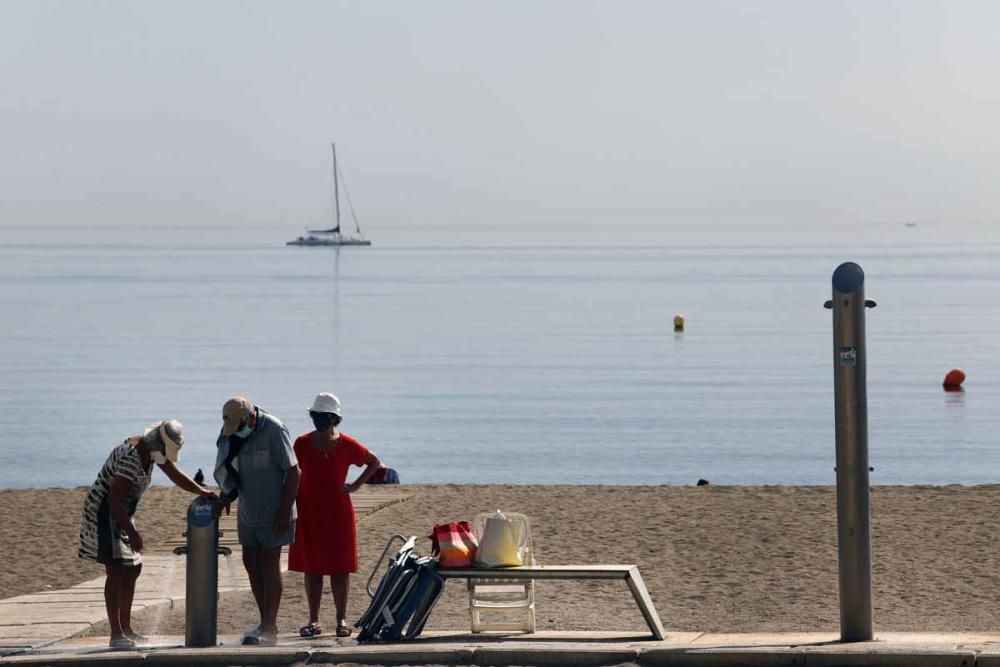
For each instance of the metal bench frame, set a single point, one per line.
(630, 573)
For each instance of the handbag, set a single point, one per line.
(499, 546)
(454, 544)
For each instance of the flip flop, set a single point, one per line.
(310, 630)
(343, 631)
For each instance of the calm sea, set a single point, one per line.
(515, 355)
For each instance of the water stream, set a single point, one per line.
(164, 593)
(229, 577)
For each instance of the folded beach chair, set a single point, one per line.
(403, 599)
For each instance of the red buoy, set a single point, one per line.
(954, 378)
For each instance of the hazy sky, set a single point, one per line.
(491, 112)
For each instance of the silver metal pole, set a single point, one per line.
(851, 410)
(202, 597)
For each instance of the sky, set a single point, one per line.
(487, 113)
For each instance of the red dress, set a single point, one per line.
(326, 539)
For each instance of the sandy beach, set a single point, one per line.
(40, 535)
(715, 558)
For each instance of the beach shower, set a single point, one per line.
(854, 548)
(202, 592)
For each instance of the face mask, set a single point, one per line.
(244, 432)
(158, 457)
(322, 421)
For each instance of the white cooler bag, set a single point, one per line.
(499, 544)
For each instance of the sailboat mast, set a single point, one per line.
(336, 193)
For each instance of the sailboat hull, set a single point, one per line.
(314, 241)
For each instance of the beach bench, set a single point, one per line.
(630, 573)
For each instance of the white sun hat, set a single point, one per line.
(171, 445)
(326, 402)
(171, 448)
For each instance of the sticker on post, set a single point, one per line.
(848, 356)
(201, 513)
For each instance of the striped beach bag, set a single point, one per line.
(454, 544)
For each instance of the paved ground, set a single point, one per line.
(555, 648)
(31, 622)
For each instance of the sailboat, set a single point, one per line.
(334, 236)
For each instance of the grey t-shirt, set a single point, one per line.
(262, 463)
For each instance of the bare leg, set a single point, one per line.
(251, 561)
(127, 592)
(269, 568)
(314, 595)
(112, 597)
(340, 584)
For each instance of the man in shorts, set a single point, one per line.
(255, 462)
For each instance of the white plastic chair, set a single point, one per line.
(497, 594)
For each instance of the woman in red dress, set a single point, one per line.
(326, 541)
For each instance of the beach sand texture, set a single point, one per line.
(714, 558)
(40, 532)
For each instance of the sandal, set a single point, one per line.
(343, 630)
(251, 637)
(121, 643)
(252, 640)
(311, 630)
(138, 638)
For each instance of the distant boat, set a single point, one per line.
(910, 224)
(333, 236)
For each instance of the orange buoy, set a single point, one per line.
(954, 378)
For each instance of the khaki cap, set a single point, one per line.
(234, 412)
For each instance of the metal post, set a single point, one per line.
(851, 410)
(202, 596)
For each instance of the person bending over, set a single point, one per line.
(108, 534)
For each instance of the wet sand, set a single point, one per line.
(715, 559)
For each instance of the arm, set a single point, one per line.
(222, 503)
(180, 478)
(288, 493)
(281, 449)
(116, 504)
(372, 464)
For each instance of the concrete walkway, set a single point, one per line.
(557, 648)
(31, 622)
